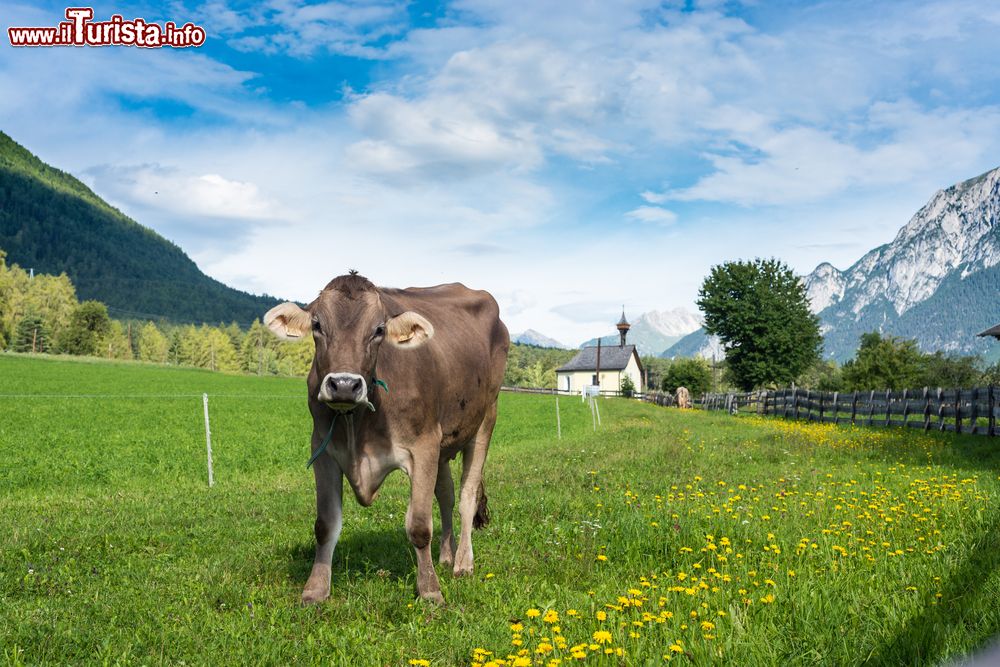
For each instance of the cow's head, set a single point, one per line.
(349, 321)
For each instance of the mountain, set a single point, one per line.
(938, 281)
(52, 222)
(696, 344)
(655, 331)
(532, 337)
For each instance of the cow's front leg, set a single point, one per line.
(329, 520)
(420, 523)
(444, 491)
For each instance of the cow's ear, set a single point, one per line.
(288, 322)
(408, 330)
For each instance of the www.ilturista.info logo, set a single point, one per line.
(81, 30)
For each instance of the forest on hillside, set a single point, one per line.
(54, 224)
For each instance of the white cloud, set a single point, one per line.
(653, 214)
(438, 139)
(171, 190)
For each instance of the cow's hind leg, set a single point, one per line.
(444, 490)
(472, 504)
(329, 520)
(420, 521)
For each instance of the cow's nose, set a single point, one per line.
(343, 388)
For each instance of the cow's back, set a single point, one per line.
(455, 377)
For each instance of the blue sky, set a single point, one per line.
(568, 157)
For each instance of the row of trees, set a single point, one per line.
(889, 362)
(41, 314)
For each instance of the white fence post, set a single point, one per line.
(558, 419)
(208, 441)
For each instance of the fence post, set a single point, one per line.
(906, 406)
(974, 412)
(836, 409)
(854, 407)
(795, 403)
(958, 411)
(821, 406)
(888, 406)
(927, 409)
(940, 402)
(871, 407)
(208, 441)
(558, 419)
(991, 430)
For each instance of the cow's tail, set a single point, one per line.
(482, 511)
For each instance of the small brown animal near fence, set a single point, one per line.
(972, 411)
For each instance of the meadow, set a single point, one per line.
(667, 536)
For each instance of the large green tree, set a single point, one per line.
(760, 312)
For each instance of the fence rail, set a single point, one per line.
(607, 393)
(972, 411)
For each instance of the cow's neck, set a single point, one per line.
(366, 458)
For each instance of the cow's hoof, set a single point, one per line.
(463, 571)
(447, 560)
(434, 597)
(314, 596)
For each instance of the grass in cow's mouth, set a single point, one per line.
(666, 536)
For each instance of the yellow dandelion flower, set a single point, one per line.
(551, 616)
(602, 615)
(532, 613)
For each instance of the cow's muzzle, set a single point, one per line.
(343, 391)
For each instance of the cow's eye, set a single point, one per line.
(316, 327)
(379, 331)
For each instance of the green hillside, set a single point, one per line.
(52, 222)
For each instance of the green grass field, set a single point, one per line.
(667, 536)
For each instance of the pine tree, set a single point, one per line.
(32, 334)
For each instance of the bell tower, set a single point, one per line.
(623, 327)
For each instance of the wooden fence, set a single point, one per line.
(958, 410)
(656, 397)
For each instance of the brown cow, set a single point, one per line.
(402, 379)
